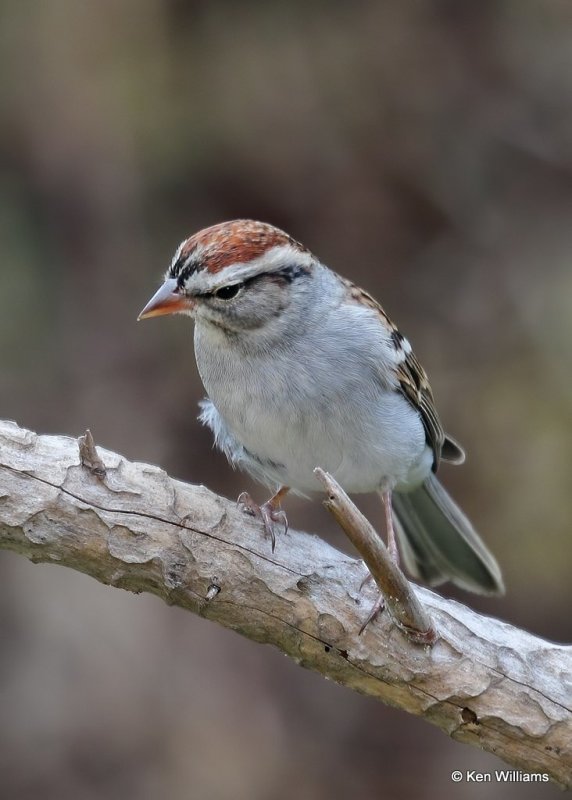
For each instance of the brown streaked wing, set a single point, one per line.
(414, 385)
(413, 381)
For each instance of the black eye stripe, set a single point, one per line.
(286, 275)
(228, 292)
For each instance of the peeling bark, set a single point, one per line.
(130, 525)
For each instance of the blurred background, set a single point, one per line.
(422, 149)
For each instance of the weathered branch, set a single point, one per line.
(130, 525)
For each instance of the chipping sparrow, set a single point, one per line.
(304, 369)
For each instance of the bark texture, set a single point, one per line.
(130, 525)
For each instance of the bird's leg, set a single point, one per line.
(379, 605)
(391, 543)
(269, 512)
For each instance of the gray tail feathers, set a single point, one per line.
(439, 544)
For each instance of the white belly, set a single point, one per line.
(280, 428)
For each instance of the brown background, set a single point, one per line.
(422, 149)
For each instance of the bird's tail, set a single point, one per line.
(439, 544)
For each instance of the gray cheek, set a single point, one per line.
(261, 307)
(247, 312)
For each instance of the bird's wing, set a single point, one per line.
(413, 384)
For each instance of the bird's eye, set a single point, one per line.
(228, 292)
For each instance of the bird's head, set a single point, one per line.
(239, 275)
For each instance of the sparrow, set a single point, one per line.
(302, 368)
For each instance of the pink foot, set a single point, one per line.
(378, 607)
(268, 512)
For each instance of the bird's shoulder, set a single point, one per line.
(410, 378)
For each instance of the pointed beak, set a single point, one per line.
(166, 300)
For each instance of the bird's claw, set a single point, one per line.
(247, 504)
(377, 608)
(368, 579)
(267, 512)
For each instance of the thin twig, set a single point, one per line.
(401, 601)
(88, 455)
